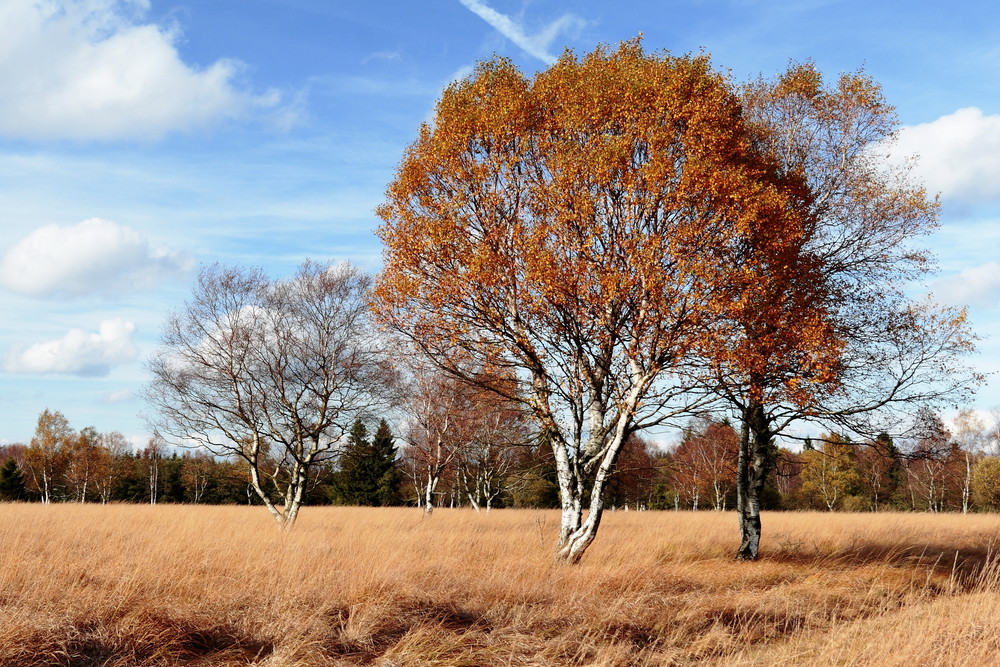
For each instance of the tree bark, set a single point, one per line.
(754, 461)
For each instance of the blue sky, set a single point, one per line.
(143, 138)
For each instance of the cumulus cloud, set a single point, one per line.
(79, 352)
(536, 45)
(977, 286)
(91, 69)
(93, 257)
(959, 154)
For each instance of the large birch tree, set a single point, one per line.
(575, 228)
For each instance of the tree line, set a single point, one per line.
(942, 470)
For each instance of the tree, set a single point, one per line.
(439, 408)
(928, 462)
(497, 427)
(45, 457)
(113, 463)
(879, 468)
(385, 466)
(152, 457)
(271, 372)
(11, 481)
(829, 474)
(368, 474)
(197, 472)
(986, 483)
(533, 482)
(788, 473)
(970, 438)
(571, 229)
(633, 479)
(353, 484)
(835, 339)
(82, 459)
(704, 462)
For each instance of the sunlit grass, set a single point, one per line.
(139, 585)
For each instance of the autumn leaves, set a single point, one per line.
(636, 239)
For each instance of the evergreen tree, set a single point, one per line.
(11, 481)
(173, 487)
(384, 467)
(368, 474)
(350, 485)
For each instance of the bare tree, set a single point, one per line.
(439, 429)
(499, 426)
(271, 372)
(704, 461)
(196, 471)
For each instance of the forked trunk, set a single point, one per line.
(285, 516)
(573, 541)
(571, 500)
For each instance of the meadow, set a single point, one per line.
(164, 585)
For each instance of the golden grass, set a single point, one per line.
(165, 585)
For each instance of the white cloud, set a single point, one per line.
(536, 45)
(959, 154)
(93, 257)
(79, 352)
(976, 286)
(118, 396)
(90, 69)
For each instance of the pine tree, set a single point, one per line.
(352, 485)
(384, 467)
(368, 474)
(11, 481)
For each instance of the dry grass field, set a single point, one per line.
(165, 585)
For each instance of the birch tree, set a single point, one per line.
(45, 456)
(440, 410)
(571, 229)
(837, 341)
(971, 437)
(113, 464)
(271, 372)
(83, 456)
(497, 428)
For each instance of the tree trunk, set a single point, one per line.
(571, 548)
(967, 484)
(752, 469)
(571, 501)
(432, 481)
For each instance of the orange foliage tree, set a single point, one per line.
(834, 338)
(577, 228)
(704, 463)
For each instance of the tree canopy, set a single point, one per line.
(579, 227)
